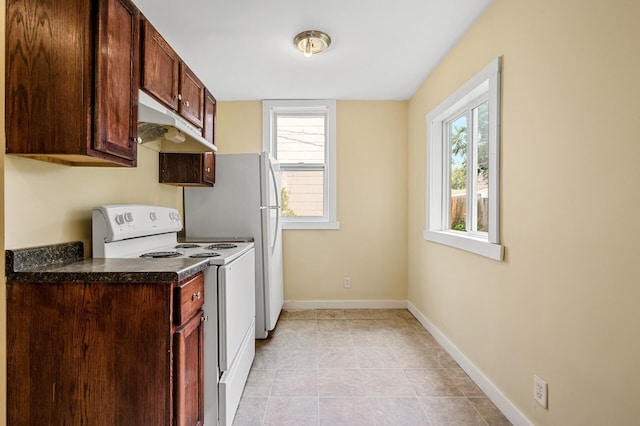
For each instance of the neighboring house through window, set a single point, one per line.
(301, 135)
(462, 167)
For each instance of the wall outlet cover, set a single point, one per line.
(540, 391)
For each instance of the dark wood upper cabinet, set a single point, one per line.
(209, 165)
(209, 133)
(191, 96)
(72, 80)
(160, 67)
(168, 79)
(186, 169)
(209, 125)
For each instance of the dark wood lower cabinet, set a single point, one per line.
(189, 387)
(102, 354)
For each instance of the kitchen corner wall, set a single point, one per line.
(371, 244)
(564, 303)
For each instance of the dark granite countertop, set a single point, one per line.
(65, 263)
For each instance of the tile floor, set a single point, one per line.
(358, 367)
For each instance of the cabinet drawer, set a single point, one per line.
(189, 298)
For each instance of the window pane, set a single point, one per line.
(300, 139)
(481, 130)
(302, 193)
(457, 132)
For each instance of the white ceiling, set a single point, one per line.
(380, 50)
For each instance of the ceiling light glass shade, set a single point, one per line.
(312, 42)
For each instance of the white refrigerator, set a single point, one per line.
(245, 202)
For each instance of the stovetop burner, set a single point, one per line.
(161, 254)
(187, 246)
(221, 246)
(204, 254)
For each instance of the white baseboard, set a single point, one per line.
(508, 409)
(345, 304)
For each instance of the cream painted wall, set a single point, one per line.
(49, 203)
(370, 246)
(563, 304)
(239, 127)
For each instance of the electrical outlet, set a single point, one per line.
(347, 282)
(540, 391)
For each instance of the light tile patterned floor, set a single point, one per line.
(358, 367)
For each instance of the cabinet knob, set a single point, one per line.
(196, 296)
(186, 103)
(138, 139)
(179, 97)
(208, 169)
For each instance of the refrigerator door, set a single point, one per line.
(272, 241)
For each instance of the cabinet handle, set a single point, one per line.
(196, 296)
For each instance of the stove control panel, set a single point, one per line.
(124, 221)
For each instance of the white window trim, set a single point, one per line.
(487, 81)
(269, 109)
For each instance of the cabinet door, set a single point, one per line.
(209, 167)
(160, 67)
(47, 94)
(117, 79)
(209, 125)
(191, 96)
(189, 372)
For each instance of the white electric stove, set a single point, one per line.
(151, 232)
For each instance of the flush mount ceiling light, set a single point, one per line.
(311, 42)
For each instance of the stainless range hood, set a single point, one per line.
(163, 130)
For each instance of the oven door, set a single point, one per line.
(236, 325)
(236, 306)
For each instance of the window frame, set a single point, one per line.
(485, 85)
(270, 109)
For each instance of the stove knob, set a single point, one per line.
(128, 217)
(153, 216)
(120, 219)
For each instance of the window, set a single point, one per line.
(462, 167)
(301, 135)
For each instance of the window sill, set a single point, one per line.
(470, 244)
(310, 225)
